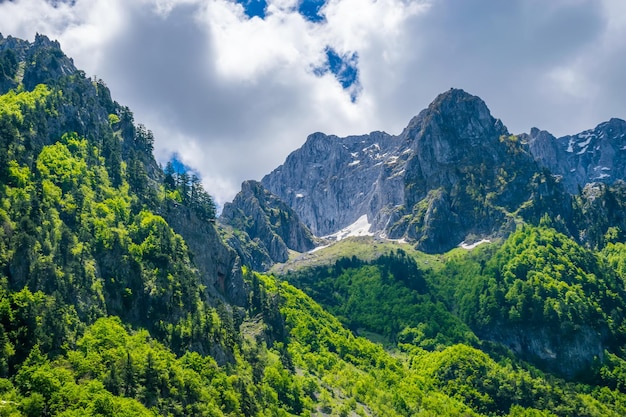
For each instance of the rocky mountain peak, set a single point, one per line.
(456, 132)
(594, 155)
(454, 173)
(43, 62)
(460, 118)
(42, 41)
(269, 222)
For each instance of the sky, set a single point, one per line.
(231, 87)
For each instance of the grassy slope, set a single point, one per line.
(366, 248)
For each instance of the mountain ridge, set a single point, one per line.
(453, 174)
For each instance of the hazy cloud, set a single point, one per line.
(233, 87)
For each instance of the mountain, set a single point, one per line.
(268, 221)
(119, 296)
(595, 155)
(454, 174)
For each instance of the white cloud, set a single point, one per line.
(233, 96)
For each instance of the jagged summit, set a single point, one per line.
(456, 107)
(332, 182)
(39, 62)
(595, 155)
(454, 174)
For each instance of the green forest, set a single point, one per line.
(106, 310)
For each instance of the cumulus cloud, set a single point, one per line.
(232, 90)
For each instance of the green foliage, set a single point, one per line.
(494, 388)
(114, 119)
(389, 296)
(9, 65)
(541, 277)
(186, 189)
(18, 105)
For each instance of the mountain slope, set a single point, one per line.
(268, 221)
(118, 298)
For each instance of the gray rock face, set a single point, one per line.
(267, 220)
(568, 354)
(219, 265)
(454, 173)
(425, 184)
(595, 155)
(330, 182)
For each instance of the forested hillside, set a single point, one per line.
(118, 298)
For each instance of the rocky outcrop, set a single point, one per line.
(46, 63)
(454, 171)
(595, 155)
(268, 221)
(42, 62)
(218, 265)
(251, 252)
(567, 353)
(331, 182)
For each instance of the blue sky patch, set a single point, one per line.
(344, 68)
(254, 8)
(310, 10)
(180, 167)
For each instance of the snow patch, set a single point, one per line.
(582, 151)
(372, 148)
(623, 148)
(353, 163)
(570, 146)
(318, 248)
(601, 176)
(354, 154)
(397, 174)
(473, 245)
(361, 227)
(299, 195)
(585, 143)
